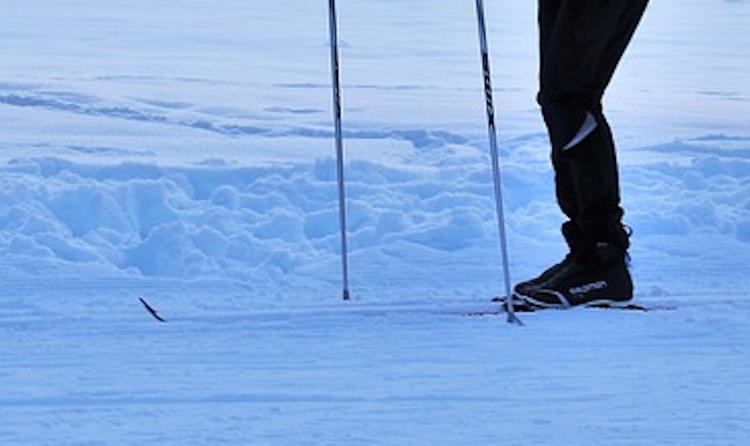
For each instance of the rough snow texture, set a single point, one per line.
(182, 152)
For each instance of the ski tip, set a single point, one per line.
(151, 310)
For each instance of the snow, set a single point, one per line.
(182, 152)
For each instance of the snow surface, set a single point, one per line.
(182, 152)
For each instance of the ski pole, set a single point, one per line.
(496, 174)
(333, 29)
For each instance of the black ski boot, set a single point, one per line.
(596, 275)
(570, 233)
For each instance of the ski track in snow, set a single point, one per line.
(207, 118)
(183, 155)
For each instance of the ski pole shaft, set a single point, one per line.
(494, 153)
(335, 75)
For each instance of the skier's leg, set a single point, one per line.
(587, 40)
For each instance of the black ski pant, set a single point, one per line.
(581, 43)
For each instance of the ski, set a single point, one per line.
(521, 306)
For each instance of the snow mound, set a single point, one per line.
(221, 221)
(228, 221)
